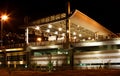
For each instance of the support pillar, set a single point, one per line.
(67, 44)
(26, 36)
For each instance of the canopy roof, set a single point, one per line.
(86, 22)
(81, 26)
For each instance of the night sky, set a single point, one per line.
(105, 12)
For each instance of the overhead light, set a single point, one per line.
(37, 28)
(74, 33)
(67, 31)
(63, 34)
(48, 30)
(89, 38)
(60, 29)
(49, 26)
(80, 35)
(56, 32)
(75, 37)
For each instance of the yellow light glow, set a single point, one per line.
(78, 25)
(83, 40)
(49, 26)
(92, 43)
(60, 29)
(39, 39)
(8, 62)
(63, 34)
(48, 30)
(14, 49)
(75, 37)
(4, 17)
(74, 33)
(89, 38)
(21, 62)
(67, 31)
(80, 35)
(93, 39)
(0, 50)
(56, 32)
(37, 28)
(0, 63)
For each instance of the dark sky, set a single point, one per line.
(106, 12)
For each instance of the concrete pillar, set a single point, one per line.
(26, 35)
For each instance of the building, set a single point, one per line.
(63, 39)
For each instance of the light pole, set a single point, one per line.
(3, 18)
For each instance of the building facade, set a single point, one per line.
(88, 45)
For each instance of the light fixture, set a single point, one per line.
(48, 30)
(60, 29)
(49, 26)
(74, 33)
(4, 17)
(39, 39)
(37, 27)
(80, 35)
(56, 32)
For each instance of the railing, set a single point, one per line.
(56, 42)
(13, 46)
(33, 44)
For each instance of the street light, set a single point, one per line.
(3, 18)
